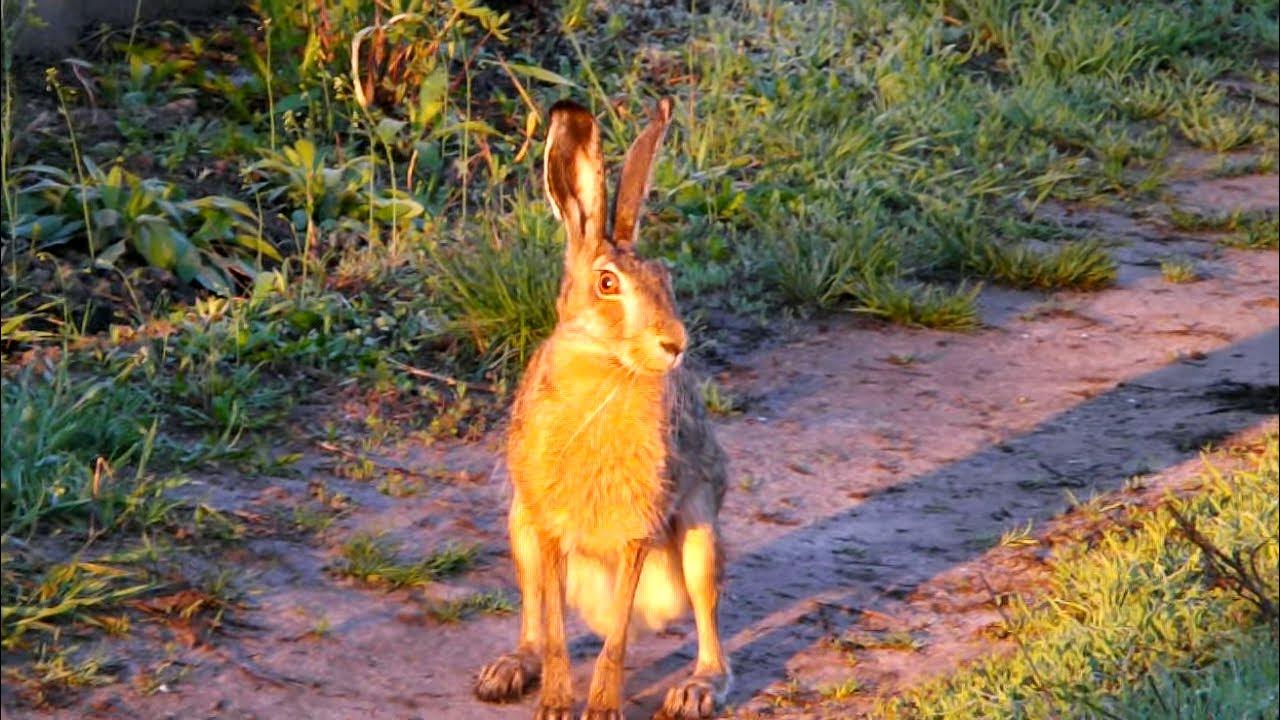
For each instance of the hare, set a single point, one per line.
(617, 478)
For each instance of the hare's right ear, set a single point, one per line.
(573, 177)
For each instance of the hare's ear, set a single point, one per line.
(573, 177)
(637, 171)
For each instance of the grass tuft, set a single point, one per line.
(374, 560)
(1076, 266)
(1179, 270)
(717, 400)
(841, 690)
(499, 301)
(921, 305)
(1250, 231)
(1258, 233)
(63, 438)
(485, 603)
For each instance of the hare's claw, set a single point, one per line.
(691, 699)
(507, 678)
(545, 712)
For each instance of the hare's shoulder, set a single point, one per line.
(696, 455)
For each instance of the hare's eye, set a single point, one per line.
(608, 283)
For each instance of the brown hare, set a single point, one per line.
(617, 479)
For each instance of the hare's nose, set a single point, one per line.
(672, 338)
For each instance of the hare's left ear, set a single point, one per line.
(637, 170)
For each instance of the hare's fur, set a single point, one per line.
(617, 478)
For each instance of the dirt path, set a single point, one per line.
(868, 461)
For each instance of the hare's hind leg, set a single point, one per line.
(511, 675)
(697, 696)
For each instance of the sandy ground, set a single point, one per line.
(870, 464)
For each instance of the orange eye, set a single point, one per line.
(608, 283)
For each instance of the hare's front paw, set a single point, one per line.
(693, 698)
(508, 678)
(598, 714)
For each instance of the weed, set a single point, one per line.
(1077, 265)
(55, 672)
(788, 694)
(490, 603)
(1257, 233)
(1228, 166)
(308, 520)
(1179, 270)
(204, 239)
(1239, 684)
(1190, 219)
(161, 677)
(717, 401)
(373, 560)
(72, 591)
(1019, 537)
(1083, 266)
(1207, 121)
(1252, 231)
(328, 198)
(886, 640)
(823, 263)
(841, 691)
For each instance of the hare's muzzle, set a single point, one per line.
(673, 340)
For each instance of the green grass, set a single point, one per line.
(375, 560)
(64, 440)
(1240, 684)
(1250, 231)
(1133, 623)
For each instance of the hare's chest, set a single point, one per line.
(595, 476)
